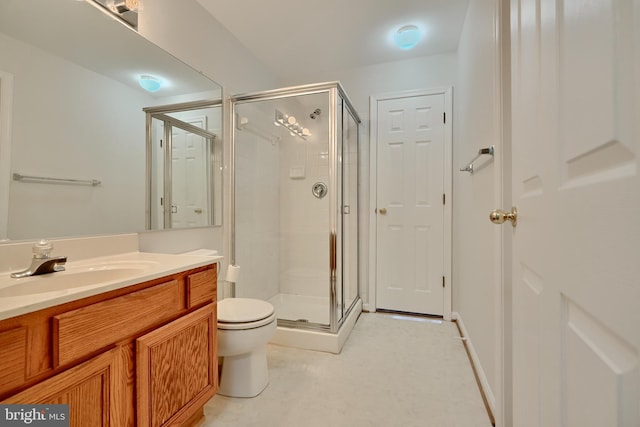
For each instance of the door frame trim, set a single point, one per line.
(448, 185)
(6, 114)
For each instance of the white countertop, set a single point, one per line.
(88, 277)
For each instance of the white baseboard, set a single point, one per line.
(482, 377)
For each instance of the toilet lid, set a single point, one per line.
(242, 310)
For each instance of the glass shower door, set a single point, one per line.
(295, 203)
(282, 205)
(350, 240)
(348, 225)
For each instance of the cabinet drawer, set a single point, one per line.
(83, 331)
(13, 355)
(202, 287)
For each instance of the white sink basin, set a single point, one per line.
(65, 280)
(74, 277)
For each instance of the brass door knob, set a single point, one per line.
(499, 216)
(383, 211)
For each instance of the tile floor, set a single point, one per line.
(393, 371)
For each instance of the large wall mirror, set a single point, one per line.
(83, 146)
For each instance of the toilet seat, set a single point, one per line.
(244, 313)
(247, 325)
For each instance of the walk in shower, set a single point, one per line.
(295, 210)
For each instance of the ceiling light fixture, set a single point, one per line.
(407, 37)
(149, 83)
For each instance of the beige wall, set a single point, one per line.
(476, 242)
(187, 31)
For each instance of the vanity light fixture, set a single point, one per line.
(407, 37)
(149, 83)
(124, 10)
(290, 122)
(122, 6)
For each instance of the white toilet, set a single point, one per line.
(244, 327)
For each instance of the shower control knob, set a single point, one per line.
(383, 211)
(319, 190)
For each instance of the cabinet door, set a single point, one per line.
(13, 354)
(90, 389)
(176, 369)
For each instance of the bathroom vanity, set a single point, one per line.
(126, 354)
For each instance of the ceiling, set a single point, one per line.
(296, 38)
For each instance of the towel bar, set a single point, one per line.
(481, 152)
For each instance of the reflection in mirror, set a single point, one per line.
(127, 10)
(184, 154)
(71, 108)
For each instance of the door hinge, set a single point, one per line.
(444, 198)
(443, 281)
(160, 143)
(444, 117)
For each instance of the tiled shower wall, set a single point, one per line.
(282, 230)
(257, 216)
(304, 219)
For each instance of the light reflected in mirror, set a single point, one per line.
(71, 107)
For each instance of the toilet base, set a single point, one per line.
(247, 373)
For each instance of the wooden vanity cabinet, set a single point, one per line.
(90, 388)
(175, 370)
(145, 355)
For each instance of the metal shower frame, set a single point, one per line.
(335, 91)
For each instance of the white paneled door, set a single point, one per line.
(410, 217)
(189, 177)
(576, 247)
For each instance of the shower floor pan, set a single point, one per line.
(310, 310)
(300, 307)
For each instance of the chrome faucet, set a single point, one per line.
(42, 262)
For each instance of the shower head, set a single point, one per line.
(315, 113)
